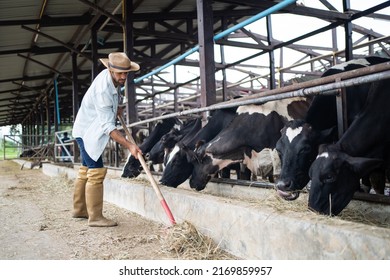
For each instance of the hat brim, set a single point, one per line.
(133, 66)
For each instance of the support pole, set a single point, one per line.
(128, 48)
(206, 53)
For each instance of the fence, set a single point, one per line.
(14, 147)
(65, 148)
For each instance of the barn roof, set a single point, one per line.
(39, 39)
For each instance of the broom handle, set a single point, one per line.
(150, 176)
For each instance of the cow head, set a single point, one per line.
(156, 154)
(335, 177)
(203, 167)
(162, 148)
(297, 148)
(132, 167)
(179, 166)
(208, 164)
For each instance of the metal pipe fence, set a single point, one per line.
(324, 85)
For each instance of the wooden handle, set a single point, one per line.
(149, 174)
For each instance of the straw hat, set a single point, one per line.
(119, 62)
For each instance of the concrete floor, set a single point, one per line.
(245, 222)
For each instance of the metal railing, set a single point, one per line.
(64, 147)
(15, 147)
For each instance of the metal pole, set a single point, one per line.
(309, 88)
(224, 33)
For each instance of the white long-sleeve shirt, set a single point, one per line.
(97, 114)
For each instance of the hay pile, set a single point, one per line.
(356, 212)
(189, 244)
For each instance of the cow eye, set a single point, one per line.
(305, 149)
(329, 178)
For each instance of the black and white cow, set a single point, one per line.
(179, 164)
(132, 167)
(168, 141)
(298, 145)
(365, 146)
(249, 139)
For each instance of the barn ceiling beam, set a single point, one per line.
(165, 16)
(114, 18)
(370, 10)
(16, 104)
(373, 15)
(328, 5)
(48, 21)
(36, 50)
(85, 19)
(365, 31)
(293, 9)
(72, 49)
(242, 45)
(47, 66)
(34, 89)
(30, 97)
(41, 77)
(181, 37)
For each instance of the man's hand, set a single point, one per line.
(135, 150)
(118, 137)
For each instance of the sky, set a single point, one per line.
(284, 27)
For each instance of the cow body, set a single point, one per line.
(249, 139)
(132, 167)
(337, 170)
(179, 163)
(298, 145)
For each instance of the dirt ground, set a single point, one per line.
(37, 224)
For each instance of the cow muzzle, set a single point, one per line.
(282, 188)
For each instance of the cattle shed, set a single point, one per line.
(195, 56)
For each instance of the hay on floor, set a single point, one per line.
(188, 243)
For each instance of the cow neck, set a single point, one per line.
(369, 129)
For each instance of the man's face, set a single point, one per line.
(119, 78)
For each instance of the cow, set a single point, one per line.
(132, 167)
(141, 135)
(249, 139)
(365, 146)
(168, 141)
(298, 145)
(178, 167)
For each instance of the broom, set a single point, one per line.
(149, 174)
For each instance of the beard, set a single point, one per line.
(117, 81)
(121, 82)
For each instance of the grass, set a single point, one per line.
(11, 150)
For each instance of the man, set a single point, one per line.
(94, 125)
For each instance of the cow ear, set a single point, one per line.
(363, 166)
(199, 144)
(322, 148)
(327, 135)
(191, 156)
